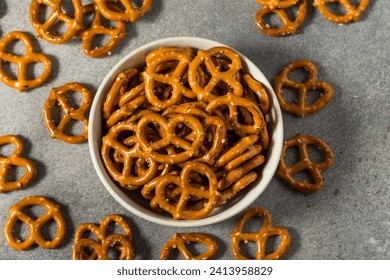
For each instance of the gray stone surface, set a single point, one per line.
(348, 219)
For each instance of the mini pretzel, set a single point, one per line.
(22, 83)
(281, 4)
(179, 241)
(352, 13)
(287, 172)
(260, 237)
(96, 28)
(58, 96)
(35, 226)
(129, 14)
(289, 26)
(15, 160)
(57, 14)
(300, 108)
(104, 241)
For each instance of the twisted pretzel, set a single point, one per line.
(130, 13)
(352, 13)
(300, 108)
(74, 23)
(15, 160)
(287, 172)
(260, 237)
(22, 83)
(179, 240)
(35, 226)
(58, 96)
(289, 26)
(104, 242)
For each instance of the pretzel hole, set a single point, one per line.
(167, 67)
(136, 3)
(253, 224)
(338, 9)
(244, 116)
(272, 21)
(299, 74)
(74, 127)
(113, 227)
(16, 47)
(57, 113)
(49, 230)
(304, 176)
(67, 7)
(34, 70)
(221, 88)
(312, 96)
(74, 99)
(34, 211)
(248, 249)
(222, 62)
(20, 231)
(89, 235)
(272, 244)
(175, 254)
(11, 70)
(152, 132)
(113, 253)
(292, 155)
(316, 154)
(14, 173)
(6, 150)
(58, 28)
(163, 92)
(196, 248)
(43, 13)
(290, 95)
(100, 40)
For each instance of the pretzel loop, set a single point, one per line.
(352, 13)
(131, 13)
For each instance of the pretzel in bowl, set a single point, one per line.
(22, 82)
(15, 160)
(130, 13)
(300, 108)
(179, 240)
(52, 212)
(287, 172)
(353, 12)
(260, 237)
(57, 97)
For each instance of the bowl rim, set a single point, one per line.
(94, 141)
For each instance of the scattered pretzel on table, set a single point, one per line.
(353, 13)
(52, 212)
(260, 237)
(130, 13)
(15, 160)
(22, 83)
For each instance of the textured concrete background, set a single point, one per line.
(348, 219)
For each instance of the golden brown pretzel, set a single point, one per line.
(58, 96)
(260, 237)
(57, 14)
(289, 26)
(52, 212)
(104, 241)
(22, 83)
(179, 240)
(15, 160)
(281, 4)
(287, 172)
(256, 92)
(353, 13)
(131, 13)
(301, 108)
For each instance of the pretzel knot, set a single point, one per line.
(228, 76)
(58, 96)
(353, 13)
(73, 23)
(22, 83)
(98, 248)
(35, 226)
(301, 108)
(179, 240)
(287, 172)
(131, 13)
(260, 237)
(289, 26)
(15, 160)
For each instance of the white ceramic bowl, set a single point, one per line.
(275, 124)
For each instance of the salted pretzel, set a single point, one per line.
(97, 28)
(131, 13)
(260, 237)
(179, 240)
(301, 108)
(103, 241)
(281, 4)
(15, 159)
(256, 92)
(287, 172)
(73, 22)
(353, 12)
(289, 26)
(57, 97)
(22, 83)
(52, 212)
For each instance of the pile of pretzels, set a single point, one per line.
(188, 131)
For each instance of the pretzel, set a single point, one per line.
(131, 13)
(260, 237)
(21, 83)
(281, 4)
(73, 24)
(353, 13)
(300, 108)
(58, 96)
(287, 172)
(289, 26)
(15, 160)
(256, 92)
(52, 212)
(179, 240)
(104, 242)
(96, 28)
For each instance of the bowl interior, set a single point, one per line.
(132, 202)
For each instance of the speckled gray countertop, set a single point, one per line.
(348, 219)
